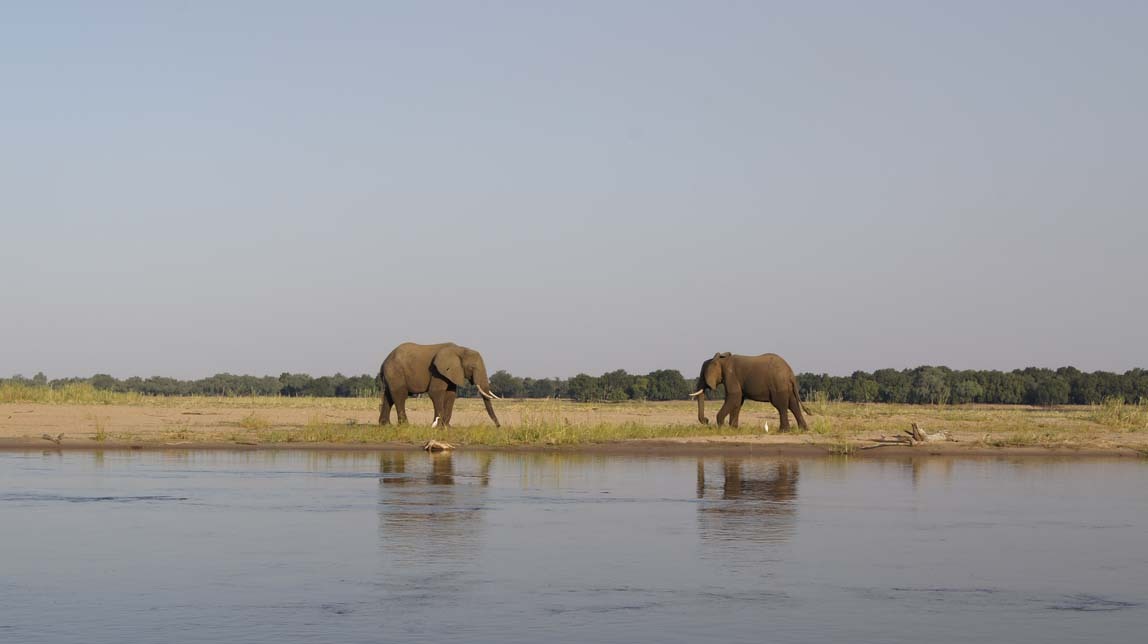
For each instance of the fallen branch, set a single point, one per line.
(437, 446)
(919, 435)
(912, 437)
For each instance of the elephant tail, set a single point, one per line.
(797, 395)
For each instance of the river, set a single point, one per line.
(312, 546)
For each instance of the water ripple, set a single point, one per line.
(1090, 603)
(29, 496)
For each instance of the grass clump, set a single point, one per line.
(842, 446)
(101, 433)
(80, 393)
(254, 421)
(1034, 438)
(529, 433)
(1114, 412)
(818, 403)
(820, 425)
(180, 431)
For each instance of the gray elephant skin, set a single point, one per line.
(437, 370)
(765, 378)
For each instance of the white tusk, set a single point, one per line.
(484, 394)
(435, 423)
(697, 393)
(495, 396)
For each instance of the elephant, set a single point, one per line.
(765, 378)
(434, 369)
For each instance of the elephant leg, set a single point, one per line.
(437, 400)
(735, 414)
(385, 407)
(795, 407)
(784, 416)
(726, 409)
(448, 406)
(399, 396)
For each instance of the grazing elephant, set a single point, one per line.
(434, 369)
(766, 378)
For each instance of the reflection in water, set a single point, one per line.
(756, 500)
(430, 521)
(285, 546)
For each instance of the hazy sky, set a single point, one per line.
(258, 187)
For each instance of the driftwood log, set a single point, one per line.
(437, 446)
(911, 437)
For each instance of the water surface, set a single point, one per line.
(303, 546)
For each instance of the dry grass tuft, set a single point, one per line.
(254, 421)
(1114, 412)
(75, 393)
(532, 433)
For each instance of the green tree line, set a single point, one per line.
(938, 385)
(919, 385)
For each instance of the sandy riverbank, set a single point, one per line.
(841, 428)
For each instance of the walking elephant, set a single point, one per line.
(765, 378)
(434, 369)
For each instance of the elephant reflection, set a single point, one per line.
(755, 500)
(393, 467)
(431, 506)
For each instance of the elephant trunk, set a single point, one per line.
(483, 384)
(702, 404)
(490, 412)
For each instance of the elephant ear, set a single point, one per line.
(449, 364)
(710, 375)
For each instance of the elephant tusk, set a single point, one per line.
(495, 396)
(484, 394)
(697, 393)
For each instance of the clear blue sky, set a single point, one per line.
(258, 187)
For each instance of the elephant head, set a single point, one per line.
(712, 375)
(461, 365)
